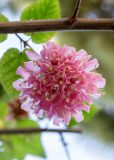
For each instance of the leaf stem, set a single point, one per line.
(76, 10)
(24, 42)
(65, 145)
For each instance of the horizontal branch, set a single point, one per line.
(37, 130)
(63, 24)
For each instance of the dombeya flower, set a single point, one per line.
(59, 83)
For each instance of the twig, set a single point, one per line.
(57, 25)
(76, 10)
(24, 42)
(37, 130)
(65, 145)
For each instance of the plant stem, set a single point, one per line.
(106, 24)
(24, 42)
(37, 130)
(65, 145)
(76, 10)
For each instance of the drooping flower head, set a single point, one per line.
(59, 82)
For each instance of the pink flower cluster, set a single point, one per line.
(59, 83)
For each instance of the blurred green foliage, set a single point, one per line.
(102, 127)
(3, 37)
(17, 146)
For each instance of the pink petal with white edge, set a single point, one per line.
(17, 84)
(36, 110)
(67, 119)
(41, 113)
(29, 65)
(78, 116)
(91, 65)
(69, 50)
(96, 95)
(22, 96)
(22, 72)
(87, 108)
(27, 105)
(81, 54)
(56, 120)
(101, 82)
(32, 55)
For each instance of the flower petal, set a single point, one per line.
(29, 65)
(67, 119)
(96, 95)
(57, 120)
(82, 54)
(22, 72)
(32, 55)
(78, 116)
(27, 105)
(101, 82)
(17, 84)
(91, 65)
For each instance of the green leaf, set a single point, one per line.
(3, 110)
(87, 116)
(3, 113)
(93, 111)
(3, 37)
(41, 9)
(17, 146)
(3, 95)
(72, 123)
(8, 66)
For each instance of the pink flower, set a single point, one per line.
(59, 83)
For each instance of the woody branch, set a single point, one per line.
(37, 130)
(57, 25)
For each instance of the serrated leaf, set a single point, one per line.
(18, 146)
(8, 65)
(3, 37)
(42, 9)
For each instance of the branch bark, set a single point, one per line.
(57, 25)
(37, 130)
